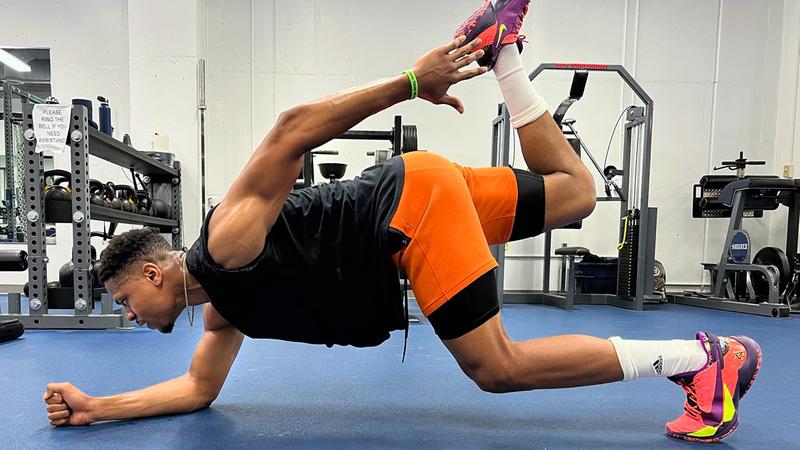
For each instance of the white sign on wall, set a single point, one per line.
(51, 127)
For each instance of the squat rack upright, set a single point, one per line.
(83, 141)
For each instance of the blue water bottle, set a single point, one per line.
(105, 116)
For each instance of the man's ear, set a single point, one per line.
(153, 273)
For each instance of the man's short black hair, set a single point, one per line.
(130, 248)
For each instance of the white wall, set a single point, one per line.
(723, 73)
(709, 65)
(787, 104)
(88, 41)
(143, 56)
(164, 53)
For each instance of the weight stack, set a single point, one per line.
(628, 257)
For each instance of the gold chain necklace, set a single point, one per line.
(186, 293)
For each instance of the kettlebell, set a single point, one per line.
(96, 193)
(144, 202)
(54, 179)
(50, 285)
(96, 275)
(66, 273)
(111, 196)
(127, 196)
(101, 194)
(161, 209)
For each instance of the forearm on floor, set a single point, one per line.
(175, 396)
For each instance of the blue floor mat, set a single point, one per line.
(284, 395)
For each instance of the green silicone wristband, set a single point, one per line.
(414, 84)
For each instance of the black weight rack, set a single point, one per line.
(403, 139)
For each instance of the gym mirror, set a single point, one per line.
(24, 78)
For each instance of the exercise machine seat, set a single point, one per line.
(572, 251)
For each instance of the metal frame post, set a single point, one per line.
(646, 255)
(733, 226)
(14, 303)
(548, 249)
(34, 202)
(642, 275)
(571, 282)
(501, 130)
(81, 220)
(177, 209)
(308, 170)
(626, 168)
(397, 136)
(792, 226)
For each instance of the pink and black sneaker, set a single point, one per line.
(711, 411)
(496, 23)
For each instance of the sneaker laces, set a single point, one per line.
(691, 406)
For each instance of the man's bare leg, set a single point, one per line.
(497, 364)
(568, 185)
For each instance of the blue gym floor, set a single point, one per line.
(282, 395)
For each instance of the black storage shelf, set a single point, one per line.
(105, 147)
(166, 186)
(115, 215)
(60, 212)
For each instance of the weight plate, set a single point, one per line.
(409, 138)
(771, 256)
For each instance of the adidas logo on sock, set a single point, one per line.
(659, 365)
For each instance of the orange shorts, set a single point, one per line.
(451, 214)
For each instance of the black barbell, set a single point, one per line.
(404, 138)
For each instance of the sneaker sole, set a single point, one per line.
(726, 430)
(470, 32)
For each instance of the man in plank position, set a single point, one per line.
(320, 265)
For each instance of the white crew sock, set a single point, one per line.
(524, 104)
(647, 359)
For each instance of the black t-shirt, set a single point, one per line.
(325, 275)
